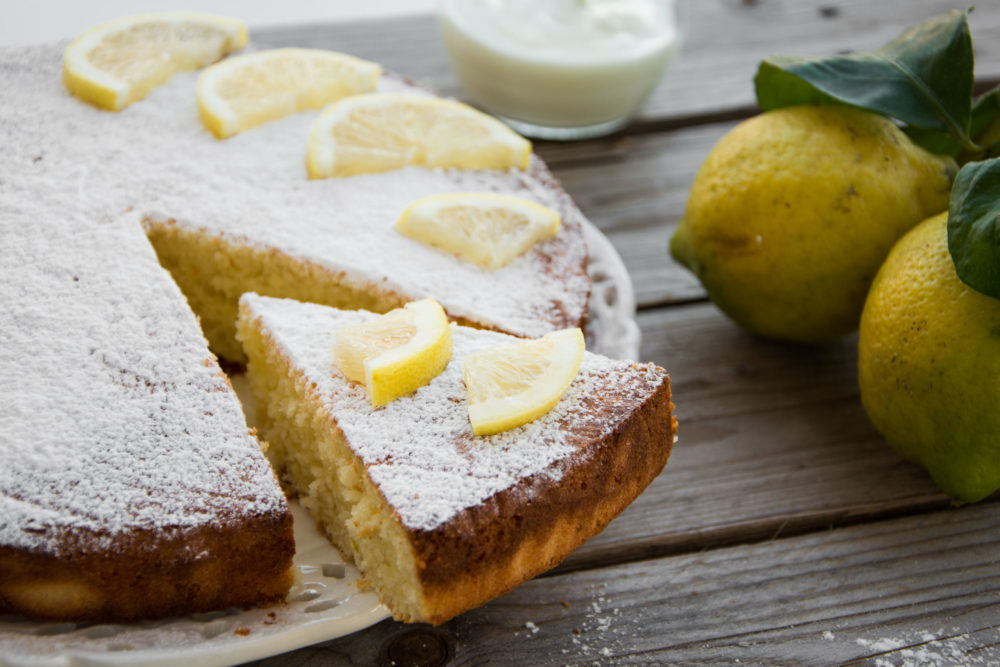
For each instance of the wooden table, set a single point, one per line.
(783, 530)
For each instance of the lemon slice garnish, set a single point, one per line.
(366, 134)
(395, 353)
(249, 90)
(117, 63)
(510, 385)
(485, 229)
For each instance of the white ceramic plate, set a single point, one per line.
(325, 603)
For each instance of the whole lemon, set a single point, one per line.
(929, 364)
(794, 210)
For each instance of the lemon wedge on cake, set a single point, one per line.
(512, 384)
(251, 89)
(117, 63)
(395, 353)
(365, 134)
(486, 229)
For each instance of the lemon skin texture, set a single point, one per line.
(794, 210)
(929, 365)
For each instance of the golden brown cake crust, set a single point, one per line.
(151, 574)
(526, 529)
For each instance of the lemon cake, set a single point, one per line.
(241, 214)
(129, 484)
(439, 520)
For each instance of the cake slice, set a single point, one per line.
(439, 520)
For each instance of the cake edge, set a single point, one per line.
(559, 516)
(237, 562)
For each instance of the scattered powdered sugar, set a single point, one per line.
(420, 449)
(601, 633)
(929, 649)
(884, 644)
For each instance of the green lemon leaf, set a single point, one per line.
(923, 77)
(985, 110)
(934, 141)
(985, 127)
(974, 226)
(984, 130)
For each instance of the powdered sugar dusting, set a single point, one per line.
(156, 157)
(420, 449)
(115, 415)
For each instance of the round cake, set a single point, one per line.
(130, 485)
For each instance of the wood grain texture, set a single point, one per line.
(772, 440)
(923, 589)
(634, 188)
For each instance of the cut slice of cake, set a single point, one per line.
(439, 520)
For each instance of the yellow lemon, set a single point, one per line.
(248, 90)
(794, 210)
(395, 353)
(485, 229)
(365, 134)
(929, 364)
(117, 63)
(512, 384)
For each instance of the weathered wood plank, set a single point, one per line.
(657, 278)
(725, 41)
(728, 38)
(633, 181)
(635, 188)
(772, 439)
(924, 589)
